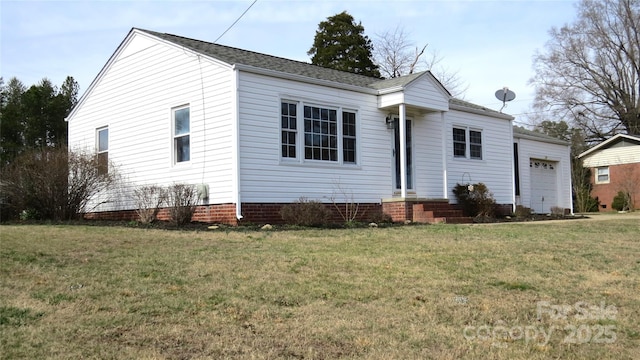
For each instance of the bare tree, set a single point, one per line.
(590, 70)
(396, 56)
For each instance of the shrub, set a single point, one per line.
(523, 212)
(349, 209)
(557, 211)
(148, 200)
(53, 183)
(305, 212)
(622, 201)
(182, 200)
(475, 199)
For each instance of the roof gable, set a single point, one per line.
(615, 141)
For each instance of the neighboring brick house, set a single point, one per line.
(615, 166)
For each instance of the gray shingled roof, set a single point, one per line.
(517, 130)
(477, 108)
(231, 55)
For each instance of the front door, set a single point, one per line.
(396, 155)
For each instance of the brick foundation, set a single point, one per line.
(253, 213)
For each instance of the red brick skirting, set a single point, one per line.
(269, 213)
(253, 213)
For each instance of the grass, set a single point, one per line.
(439, 291)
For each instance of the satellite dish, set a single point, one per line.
(505, 95)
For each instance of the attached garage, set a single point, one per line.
(542, 175)
(544, 185)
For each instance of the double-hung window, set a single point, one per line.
(459, 142)
(475, 144)
(467, 143)
(102, 145)
(326, 133)
(602, 175)
(181, 135)
(289, 128)
(349, 137)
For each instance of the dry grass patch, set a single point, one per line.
(394, 293)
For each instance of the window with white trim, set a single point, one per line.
(181, 134)
(327, 133)
(289, 129)
(602, 175)
(459, 142)
(475, 144)
(349, 137)
(467, 143)
(102, 147)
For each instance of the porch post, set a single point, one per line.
(403, 151)
(443, 137)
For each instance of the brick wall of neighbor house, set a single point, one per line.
(620, 177)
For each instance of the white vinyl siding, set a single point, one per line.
(141, 128)
(267, 176)
(495, 168)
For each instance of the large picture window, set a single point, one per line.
(181, 135)
(102, 145)
(467, 143)
(320, 134)
(327, 133)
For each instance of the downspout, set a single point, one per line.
(513, 170)
(443, 133)
(570, 180)
(403, 151)
(235, 141)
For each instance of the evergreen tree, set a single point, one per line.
(11, 139)
(34, 118)
(340, 44)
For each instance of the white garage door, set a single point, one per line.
(544, 185)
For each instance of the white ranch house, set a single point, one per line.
(255, 131)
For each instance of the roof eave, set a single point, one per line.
(302, 78)
(540, 139)
(490, 113)
(606, 143)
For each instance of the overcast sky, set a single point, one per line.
(490, 44)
